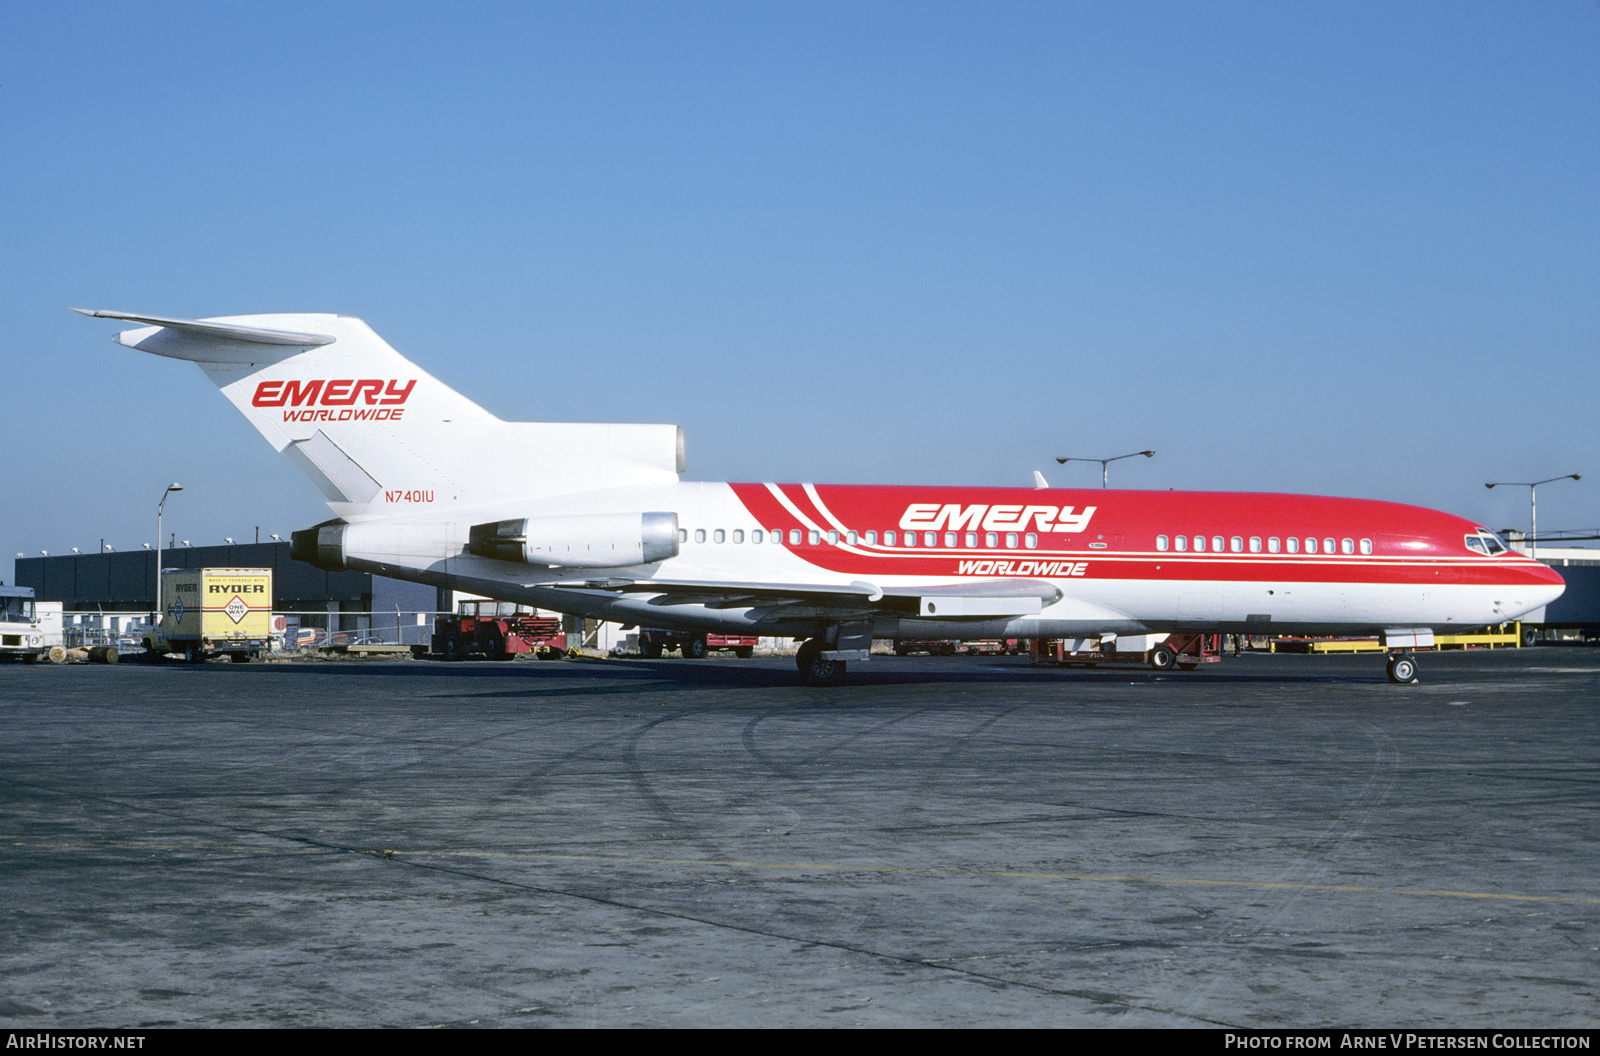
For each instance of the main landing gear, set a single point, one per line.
(815, 669)
(1402, 668)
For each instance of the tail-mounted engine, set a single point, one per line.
(601, 540)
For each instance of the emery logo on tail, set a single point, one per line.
(382, 396)
(955, 517)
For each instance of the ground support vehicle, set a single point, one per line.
(933, 647)
(497, 630)
(950, 647)
(1161, 651)
(694, 645)
(28, 629)
(994, 647)
(210, 612)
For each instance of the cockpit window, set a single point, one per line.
(1486, 543)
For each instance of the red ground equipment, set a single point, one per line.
(653, 642)
(497, 630)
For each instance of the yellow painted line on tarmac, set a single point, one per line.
(1007, 875)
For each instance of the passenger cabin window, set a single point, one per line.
(814, 536)
(991, 539)
(1011, 540)
(1366, 546)
(1311, 546)
(1347, 546)
(1031, 541)
(1181, 543)
(1327, 546)
(1236, 544)
(1161, 542)
(1294, 545)
(888, 538)
(699, 535)
(756, 536)
(1199, 544)
(872, 538)
(1255, 544)
(719, 536)
(794, 537)
(1273, 544)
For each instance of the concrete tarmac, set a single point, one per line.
(1273, 841)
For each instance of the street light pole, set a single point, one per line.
(1533, 504)
(160, 601)
(1104, 462)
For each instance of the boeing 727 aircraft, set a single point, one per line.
(609, 531)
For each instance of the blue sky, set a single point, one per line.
(1343, 248)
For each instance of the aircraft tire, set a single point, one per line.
(1402, 669)
(1162, 658)
(814, 669)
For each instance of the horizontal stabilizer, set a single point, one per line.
(203, 341)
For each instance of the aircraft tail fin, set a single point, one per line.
(378, 434)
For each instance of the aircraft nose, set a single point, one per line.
(1547, 583)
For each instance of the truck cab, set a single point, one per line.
(22, 633)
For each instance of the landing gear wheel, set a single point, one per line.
(1162, 658)
(695, 648)
(1402, 669)
(815, 670)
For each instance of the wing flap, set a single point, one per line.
(981, 600)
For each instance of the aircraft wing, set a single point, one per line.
(973, 600)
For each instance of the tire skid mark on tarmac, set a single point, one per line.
(1229, 931)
